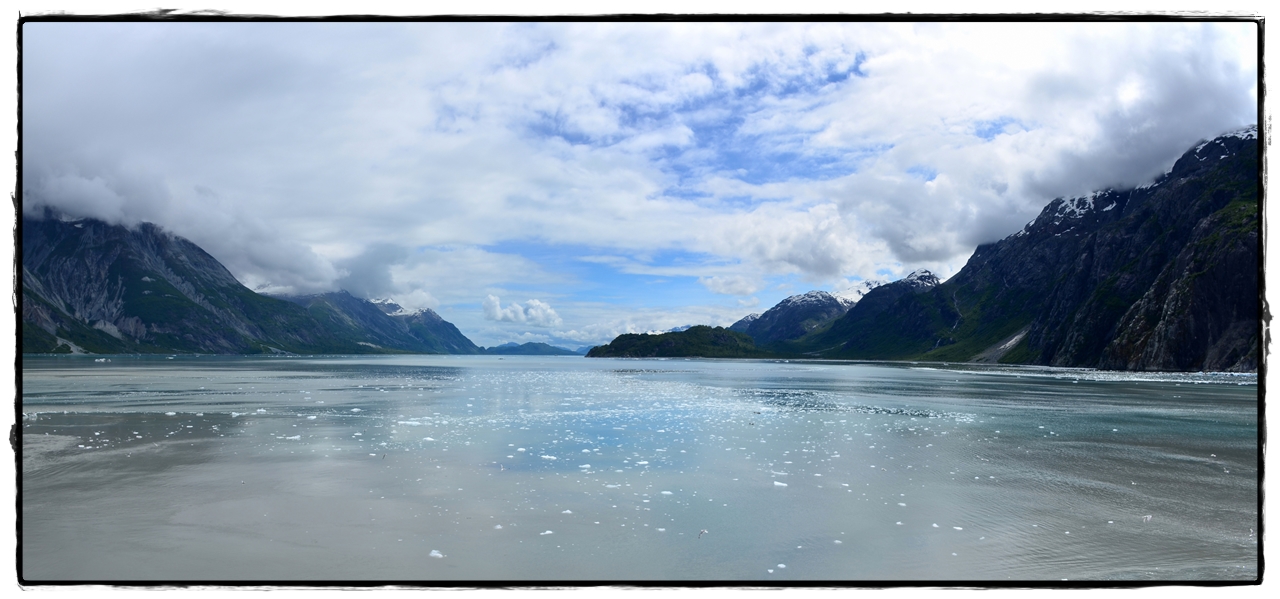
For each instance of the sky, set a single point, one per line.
(568, 182)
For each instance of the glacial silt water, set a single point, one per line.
(480, 468)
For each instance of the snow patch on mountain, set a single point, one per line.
(391, 308)
(852, 294)
(922, 279)
(806, 299)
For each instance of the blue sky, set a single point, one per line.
(567, 182)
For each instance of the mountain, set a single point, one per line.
(847, 335)
(99, 288)
(857, 291)
(702, 341)
(795, 316)
(382, 324)
(741, 325)
(1160, 277)
(530, 349)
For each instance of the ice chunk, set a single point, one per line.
(546, 533)
(548, 457)
(779, 484)
(566, 512)
(435, 553)
(666, 492)
(584, 465)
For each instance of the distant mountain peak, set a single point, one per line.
(922, 279)
(855, 292)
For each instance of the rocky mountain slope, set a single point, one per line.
(99, 288)
(1161, 277)
(794, 316)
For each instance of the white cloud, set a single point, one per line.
(533, 312)
(731, 285)
(440, 162)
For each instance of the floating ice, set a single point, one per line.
(428, 439)
(170, 413)
(435, 553)
(311, 417)
(642, 463)
(566, 512)
(782, 565)
(355, 409)
(546, 533)
(957, 528)
(497, 527)
(779, 484)
(293, 438)
(902, 504)
(666, 492)
(548, 457)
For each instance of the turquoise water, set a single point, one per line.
(479, 468)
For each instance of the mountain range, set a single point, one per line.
(1164, 276)
(1159, 277)
(89, 286)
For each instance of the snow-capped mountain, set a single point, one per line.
(1163, 276)
(858, 290)
(744, 322)
(796, 315)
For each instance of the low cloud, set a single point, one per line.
(533, 312)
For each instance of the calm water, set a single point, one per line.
(531, 468)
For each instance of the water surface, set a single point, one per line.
(479, 468)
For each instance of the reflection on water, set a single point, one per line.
(533, 468)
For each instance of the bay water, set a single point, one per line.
(486, 468)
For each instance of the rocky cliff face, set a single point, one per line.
(1162, 277)
(89, 286)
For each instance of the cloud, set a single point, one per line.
(442, 162)
(533, 312)
(730, 285)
